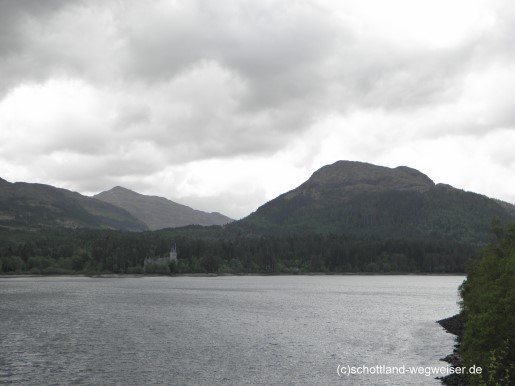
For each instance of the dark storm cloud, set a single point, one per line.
(262, 60)
(298, 57)
(270, 54)
(16, 63)
(15, 14)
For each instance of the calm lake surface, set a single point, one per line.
(235, 330)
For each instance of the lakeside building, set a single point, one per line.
(163, 260)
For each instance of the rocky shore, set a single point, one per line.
(454, 325)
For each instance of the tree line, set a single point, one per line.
(488, 308)
(215, 250)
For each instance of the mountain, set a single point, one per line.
(26, 205)
(362, 199)
(158, 212)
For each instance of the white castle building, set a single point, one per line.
(164, 260)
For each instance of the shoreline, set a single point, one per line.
(454, 325)
(130, 275)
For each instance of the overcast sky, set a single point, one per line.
(223, 105)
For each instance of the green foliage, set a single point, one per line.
(137, 270)
(489, 307)
(173, 267)
(218, 250)
(501, 368)
(39, 262)
(35, 206)
(441, 213)
(157, 269)
(12, 264)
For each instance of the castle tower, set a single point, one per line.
(173, 253)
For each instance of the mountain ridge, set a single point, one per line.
(375, 201)
(346, 197)
(159, 212)
(34, 205)
(366, 176)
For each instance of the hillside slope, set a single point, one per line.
(391, 203)
(26, 205)
(158, 212)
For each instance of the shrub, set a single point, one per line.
(489, 307)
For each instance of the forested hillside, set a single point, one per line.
(348, 217)
(373, 201)
(38, 206)
(159, 212)
(214, 249)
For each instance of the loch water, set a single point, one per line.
(226, 330)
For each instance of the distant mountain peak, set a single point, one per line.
(120, 189)
(159, 212)
(362, 176)
(357, 198)
(35, 205)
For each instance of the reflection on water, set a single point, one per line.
(239, 330)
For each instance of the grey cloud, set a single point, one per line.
(276, 54)
(16, 62)
(286, 56)
(256, 41)
(40, 40)
(274, 61)
(231, 204)
(13, 18)
(93, 173)
(162, 39)
(196, 80)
